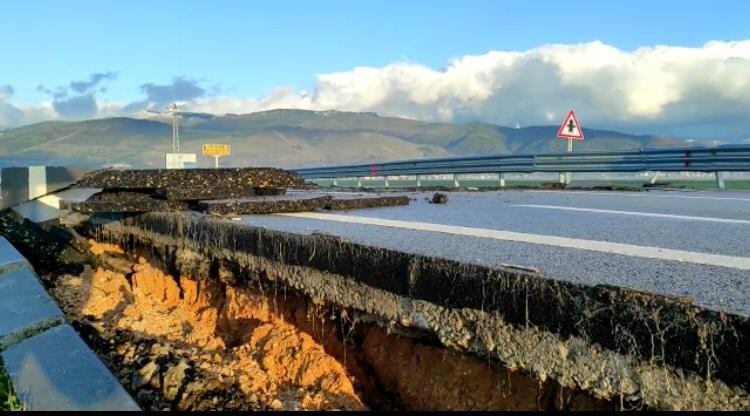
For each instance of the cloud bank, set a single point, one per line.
(95, 78)
(11, 115)
(159, 96)
(76, 101)
(675, 89)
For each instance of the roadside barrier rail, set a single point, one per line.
(727, 158)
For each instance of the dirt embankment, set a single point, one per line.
(234, 333)
(197, 344)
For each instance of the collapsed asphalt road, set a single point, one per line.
(573, 236)
(564, 343)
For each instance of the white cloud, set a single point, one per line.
(11, 116)
(652, 87)
(658, 85)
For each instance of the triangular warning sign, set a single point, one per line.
(570, 128)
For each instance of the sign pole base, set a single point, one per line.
(569, 175)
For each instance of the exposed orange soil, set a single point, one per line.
(99, 248)
(287, 353)
(430, 378)
(282, 366)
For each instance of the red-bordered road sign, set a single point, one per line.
(570, 128)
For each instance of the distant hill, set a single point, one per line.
(288, 138)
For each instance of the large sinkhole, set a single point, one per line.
(196, 343)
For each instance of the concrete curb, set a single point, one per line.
(50, 366)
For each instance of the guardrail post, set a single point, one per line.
(419, 181)
(719, 181)
(566, 178)
(656, 175)
(501, 179)
(335, 182)
(455, 181)
(359, 182)
(386, 181)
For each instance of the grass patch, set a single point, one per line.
(8, 399)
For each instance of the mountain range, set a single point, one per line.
(287, 139)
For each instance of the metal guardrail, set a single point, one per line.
(697, 159)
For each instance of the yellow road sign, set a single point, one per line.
(216, 149)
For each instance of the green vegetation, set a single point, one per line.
(8, 400)
(290, 138)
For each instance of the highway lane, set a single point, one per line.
(509, 211)
(678, 243)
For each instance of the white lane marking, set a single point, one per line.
(642, 194)
(742, 263)
(641, 214)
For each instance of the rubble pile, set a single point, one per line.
(220, 192)
(298, 202)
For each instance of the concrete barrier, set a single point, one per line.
(49, 365)
(21, 184)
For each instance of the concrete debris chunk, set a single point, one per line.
(439, 198)
(222, 192)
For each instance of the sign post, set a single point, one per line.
(180, 160)
(570, 129)
(217, 151)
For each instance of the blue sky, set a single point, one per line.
(250, 48)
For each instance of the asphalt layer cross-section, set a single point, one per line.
(697, 222)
